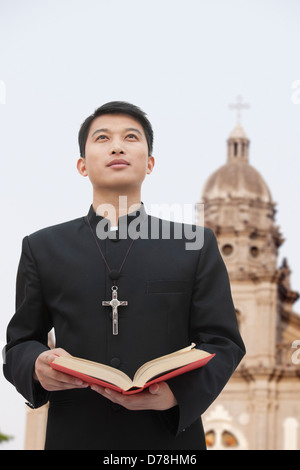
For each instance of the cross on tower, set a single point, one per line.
(239, 105)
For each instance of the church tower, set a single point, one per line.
(239, 208)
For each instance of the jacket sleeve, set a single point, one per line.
(27, 332)
(213, 327)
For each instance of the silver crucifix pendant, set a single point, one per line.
(114, 303)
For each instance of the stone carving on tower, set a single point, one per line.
(264, 391)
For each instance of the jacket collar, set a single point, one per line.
(125, 220)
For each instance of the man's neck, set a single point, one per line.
(113, 206)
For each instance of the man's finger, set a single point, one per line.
(154, 389)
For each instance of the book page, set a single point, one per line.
(162, 358)
(95, 369)
(167, 363)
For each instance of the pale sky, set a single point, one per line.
(183, 63)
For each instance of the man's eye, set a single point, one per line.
(101, 137)
(131, 136)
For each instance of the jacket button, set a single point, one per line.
(114, 237)
(115, 362)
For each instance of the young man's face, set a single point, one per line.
(116, 154)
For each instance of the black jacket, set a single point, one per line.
(176, 295)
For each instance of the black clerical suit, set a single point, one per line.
(175, 296)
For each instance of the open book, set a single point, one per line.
(157, 370)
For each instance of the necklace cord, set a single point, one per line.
(101, 252)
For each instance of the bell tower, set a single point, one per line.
(259, 405)
(238, 206)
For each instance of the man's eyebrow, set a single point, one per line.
(99, 130)
(126, 130)
(133, 129)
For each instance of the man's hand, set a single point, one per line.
(156, 397)
(51, 379)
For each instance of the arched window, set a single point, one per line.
(210, 438)
(290, 428)
(221, 440)
(229, 440)
(235, 146)
(221, 433)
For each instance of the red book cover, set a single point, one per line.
(162, 378)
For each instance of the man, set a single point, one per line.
(172, 296)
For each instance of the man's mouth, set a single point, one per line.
(118, 163)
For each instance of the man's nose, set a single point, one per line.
(117, 148)
(117, 151)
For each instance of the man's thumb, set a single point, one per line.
(154, 389)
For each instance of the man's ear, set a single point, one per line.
(81, 167)
(151, 163)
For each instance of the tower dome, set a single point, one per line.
(237, 179)
(239, 208)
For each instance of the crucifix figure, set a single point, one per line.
(114, 303)
(239, 106)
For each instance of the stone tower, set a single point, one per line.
(238, 206)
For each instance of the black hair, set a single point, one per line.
(116, 107)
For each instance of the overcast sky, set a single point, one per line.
(183, 62)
